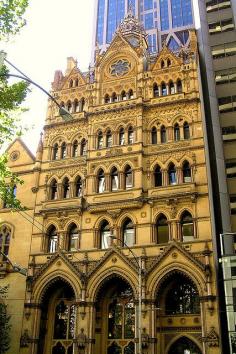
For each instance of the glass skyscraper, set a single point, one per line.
(163, 20)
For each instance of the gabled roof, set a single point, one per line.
(17, 144)
(175, 246)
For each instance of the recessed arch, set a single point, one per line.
(174, 342)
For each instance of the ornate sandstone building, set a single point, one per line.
(118, 211)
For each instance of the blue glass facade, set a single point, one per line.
(116, 13)
(100, 21)
(148, 21)
(132, 4)
(164, 15)
(181, 13)
(148, 5)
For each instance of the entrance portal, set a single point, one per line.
(184, 346)
(115, 318)
(58, 318)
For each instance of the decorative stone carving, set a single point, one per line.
(25, 339)
(82, 341)
(212, 338)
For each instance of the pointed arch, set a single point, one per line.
(101, 181)
(52, 241)
(65, 188)
(176, 132)
(72, 242)
(157, 176)
(156, 92)
(172, 174)
(162, 229)
(128, 233)
(75, 148)
(186, 171)
(53, 190)
(128, 175)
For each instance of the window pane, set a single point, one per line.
(162, 234)
(114, 183)
(101, 184)
(105, 239)
(129, 237)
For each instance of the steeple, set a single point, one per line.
(133, 30)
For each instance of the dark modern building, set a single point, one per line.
(163, 20)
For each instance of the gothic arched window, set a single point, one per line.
(172, 174)
(69, 107)
(128, 233)
(52, 240)
(75, 148)
(53, 190)
(171, 88)
(123, 96)
(163, 134)
(179, 86)
(114, 97)
(108, 139)
(100, 140)
(155, 90)
(176, 132)
(163, 89)
(63, 150)
(66, 188)
(182, 297)
(122, 136)
(78, 187)
(107, 99)
(162, 229)
(105, 234)
(162, 64)
(81, 104)
(130, 135)
(128, 178)
(187, 227)
(186, 172)
(55, 152)
(5, 237)
(154, 135)
(168, 62)
(131, 94)
(83, 147)
(184, 345)
(101, 181)
(121, 318)
(157, 176)
(114, 179)
(73, 238)
(71, 83)
(186, 131)
(76, 106)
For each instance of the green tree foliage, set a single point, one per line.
(11, 97)
(11, 17)
(4, 322)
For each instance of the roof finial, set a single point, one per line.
(130, 9)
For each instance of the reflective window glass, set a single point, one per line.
(148, 21)
(100, 21)
(164, 15)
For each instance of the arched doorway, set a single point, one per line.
(58, 319)
(178, 304)
(184, 345)
(115, 318)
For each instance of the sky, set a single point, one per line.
(54, 31)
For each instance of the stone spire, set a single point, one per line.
(39, 152)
